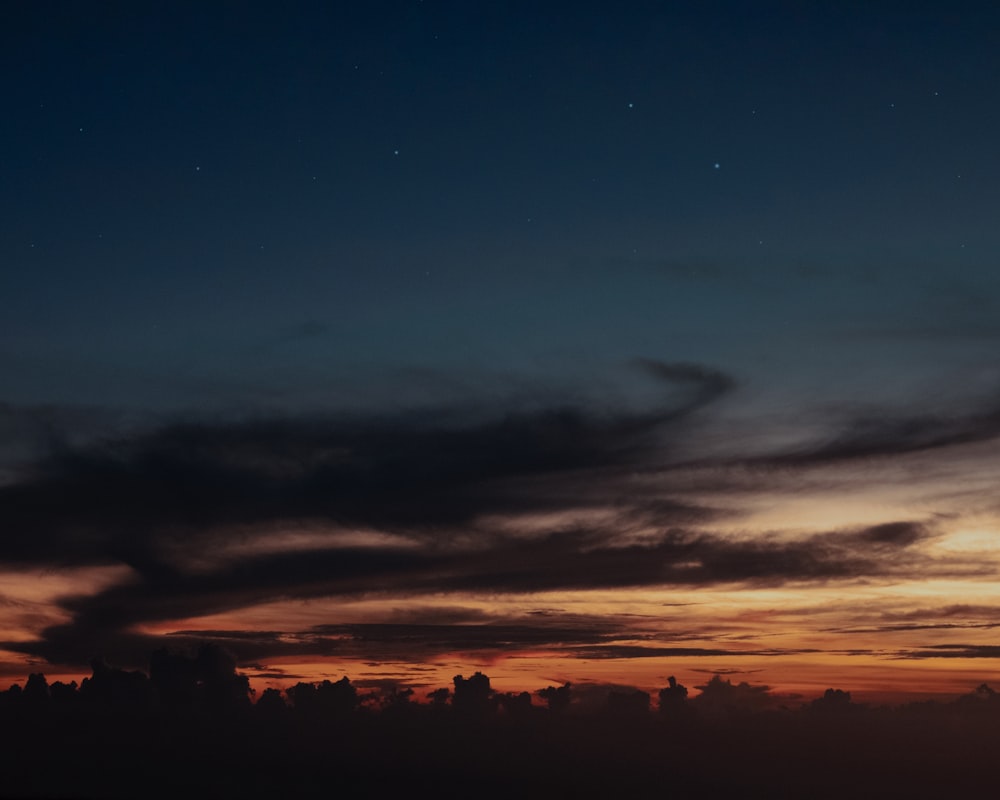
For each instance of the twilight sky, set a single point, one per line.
(596, 344)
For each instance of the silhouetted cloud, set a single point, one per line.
(705, 384)
(722, 698)
(108, 502)
(952, 651)
(628, 704)
(191, 725)
(163, 499)
(930, 626)
(422, 503)
(889, 435)
(28, 431)
(563, 560)
(654, 651)
(445, 638)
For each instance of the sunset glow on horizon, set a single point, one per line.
(888, 610)
(404, 340)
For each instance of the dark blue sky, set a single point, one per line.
(236, 205)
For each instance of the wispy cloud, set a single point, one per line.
(952, 651)
(446, 499)
(867, 436)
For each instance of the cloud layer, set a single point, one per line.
(209, 518)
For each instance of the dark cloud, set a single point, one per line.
(952, 651)
(652, 651)
(106, 503)
(897, 628)
(893, 533)
(587, 560)
(958, 616)
(705, 384)
(881, 436)
(28, 430)
(726, 671)
(165, 501)
(379, 642)
(450, 638)
(563, 560)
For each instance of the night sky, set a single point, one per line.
(595, 342)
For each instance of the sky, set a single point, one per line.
(600, 344)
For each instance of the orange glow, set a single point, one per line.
(861, 636)
(876, 637)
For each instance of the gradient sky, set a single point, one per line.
(596, 344)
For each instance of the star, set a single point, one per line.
(716, 165)
(631, 105)
(395, 152)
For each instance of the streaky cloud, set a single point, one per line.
(112, 501)
(566, 560)
(952, 651)
(885, 436)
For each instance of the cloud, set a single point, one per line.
(166, 503)
(418, 642)
(454, 493)
(958, 616)
(952, 651)
(110, 502)
(653, 651)
(565, 560)
(26, 430)
(888, 435)
(721, 697)
(706, 384)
